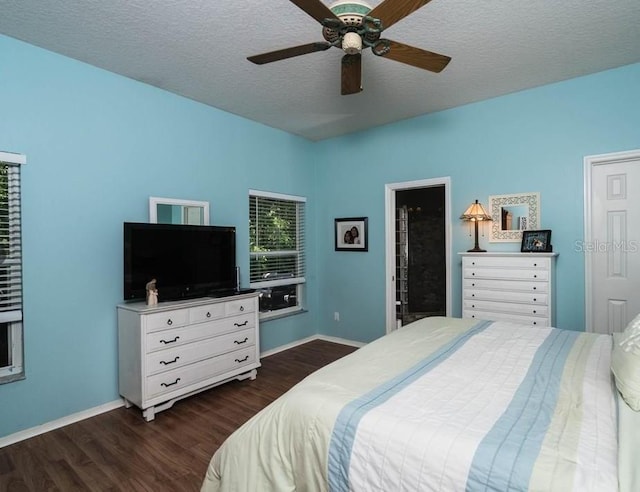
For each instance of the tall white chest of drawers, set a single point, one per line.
(515, 287)
(176, 349)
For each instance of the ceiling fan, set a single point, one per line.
(354, 25)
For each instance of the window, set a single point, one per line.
(276, 251)
(11, 356)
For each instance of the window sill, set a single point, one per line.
(270, 316)
(10, 378)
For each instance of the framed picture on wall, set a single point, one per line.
(536, 241)
(352, 234)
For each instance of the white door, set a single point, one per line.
(612, 247)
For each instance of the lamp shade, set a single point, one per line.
(475, 212)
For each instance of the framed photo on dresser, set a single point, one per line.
(536, 241)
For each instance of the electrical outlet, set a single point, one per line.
(336, 316)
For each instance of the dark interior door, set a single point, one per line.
(420, 253)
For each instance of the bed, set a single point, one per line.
(444, 404)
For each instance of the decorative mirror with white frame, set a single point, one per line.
(512, 214)
(176, 211)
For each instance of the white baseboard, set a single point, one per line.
(342, 341)
(326, 338)
(56, 424)
(107, 407)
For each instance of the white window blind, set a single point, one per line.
(10, 241)
(11, 367)
(276, 236)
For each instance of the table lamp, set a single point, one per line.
(475, 213)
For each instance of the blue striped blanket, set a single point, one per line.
(500, 407)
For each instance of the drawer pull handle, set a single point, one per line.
(535, 276)
(473, 285)
(473, 295)
(241, 308)
(242, 360)
(534, 299)
(170, 341)
(473, 315)
(473, 274)
(535, 322)
(169, 322)
(166, 363)
(246, 339)
(473, 305)
(241, 324)
(208, 314)
(535, 288)
(166, 385)
(473, 262)
(534, 311)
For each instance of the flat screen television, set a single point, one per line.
(187, 261)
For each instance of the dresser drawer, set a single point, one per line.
(162, 340)
(525, 320)
(206, 313)
(506, 285)
(513, 274)
(507, 296)
(182, 377)
(240, 306)
(506, 262)
(186, 354)
(166, 319)
(507, 307)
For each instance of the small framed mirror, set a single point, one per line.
(176, 211)
(512, 214)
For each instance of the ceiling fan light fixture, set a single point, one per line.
(351, 12)
(352, 43)
(348, 13)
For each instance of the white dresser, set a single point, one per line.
(175, 349)
(516, 287)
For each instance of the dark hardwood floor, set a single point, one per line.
(118, 450)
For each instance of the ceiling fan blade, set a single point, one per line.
(392, 11)
(316, 9)
(351, 74)
(288, 53)
(416, 57)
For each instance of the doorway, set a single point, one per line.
(418, 251)
(612, 233)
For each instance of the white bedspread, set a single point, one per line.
(444, 405)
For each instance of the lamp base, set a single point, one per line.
(476, 250)
(476, 245)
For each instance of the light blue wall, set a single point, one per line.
(530, 141)
(98, 145)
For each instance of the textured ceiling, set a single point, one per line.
(198, 49)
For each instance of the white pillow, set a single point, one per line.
(631, 335)
(625, 365)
